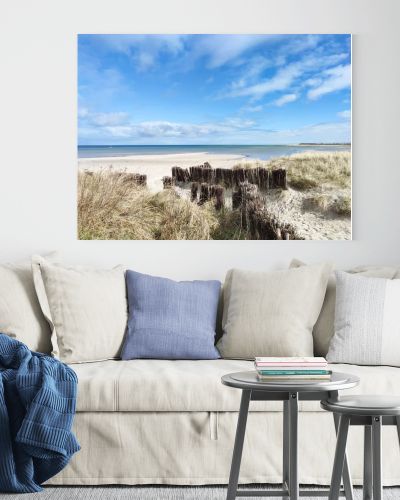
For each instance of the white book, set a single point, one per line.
(290, 361)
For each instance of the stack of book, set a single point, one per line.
(269, 369)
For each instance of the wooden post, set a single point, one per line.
(219, 193)
(204, 193)
(194, 191)
(168, 182)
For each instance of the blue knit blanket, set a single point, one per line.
(37, 406)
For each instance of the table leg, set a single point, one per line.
(340, 454)
(286, 447)
(398, 428)
(238, 447)
(347, 482)
(367, 486)
(377, 457)
(293, 446)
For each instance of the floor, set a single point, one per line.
(153, 493)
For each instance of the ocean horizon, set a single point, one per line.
(262, 152)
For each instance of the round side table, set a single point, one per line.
(290, 392)
(371, 412)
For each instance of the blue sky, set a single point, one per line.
(213, 89)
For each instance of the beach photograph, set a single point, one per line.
(214, 137)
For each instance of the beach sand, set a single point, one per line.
(311, 224)
(158, 166)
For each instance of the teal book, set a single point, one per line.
(294, 372)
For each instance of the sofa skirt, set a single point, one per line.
(195, 448)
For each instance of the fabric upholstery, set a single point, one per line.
(86, 310)
(20, 315)
(324, 327)
(195, 448)
(170, 319)
(367, 321)
(272, 313)
(168, 386)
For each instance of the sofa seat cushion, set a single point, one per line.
(174, 386)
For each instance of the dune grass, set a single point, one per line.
(316, 169)
(111, 208)
(311, 169)
(326, 202)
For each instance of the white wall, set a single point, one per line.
(38, 88)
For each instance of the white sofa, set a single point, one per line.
(173, 422)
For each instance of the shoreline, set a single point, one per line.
(156, 166)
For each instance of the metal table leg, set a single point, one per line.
(347, 482)
(367, 487)
(398, 427)
(293, 447)
(377, 457)
(238, 447)
(340, 454)
(286, 448)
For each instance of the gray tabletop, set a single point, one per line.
(365, 405)
(249, 380)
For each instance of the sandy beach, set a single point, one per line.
(289, 207)
(158, 166)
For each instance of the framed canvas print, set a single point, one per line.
(214, 137)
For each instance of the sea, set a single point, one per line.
(252, 152)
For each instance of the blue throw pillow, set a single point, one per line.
(170, 319)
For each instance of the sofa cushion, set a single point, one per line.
(161, 385)
(20, 315)
(272, 313)
(170, 319)
(324, 327)
(86, 309)
(367, 321)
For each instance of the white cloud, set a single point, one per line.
(282, 79)
(144, 50)
(221, 49)
(328, 132)
(103, 119)
(346, 114)
(252, 109)
(251, 71)
(285, 99)
(83, 112)
(230, 131)
(333, 79)
(312, 82)
(164, 129)
(287, 76)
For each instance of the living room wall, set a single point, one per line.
(38, 92)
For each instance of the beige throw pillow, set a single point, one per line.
(86, 309)
(272, 313)
(325, 326)
(20, 315)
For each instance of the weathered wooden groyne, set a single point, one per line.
(201, 193)
(257, 219)
(168, 182)
(231, 177)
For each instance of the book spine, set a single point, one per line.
(266, 378)
(311, 365)
(294, 372)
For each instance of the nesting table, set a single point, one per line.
(290, 392)
(371, 412)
